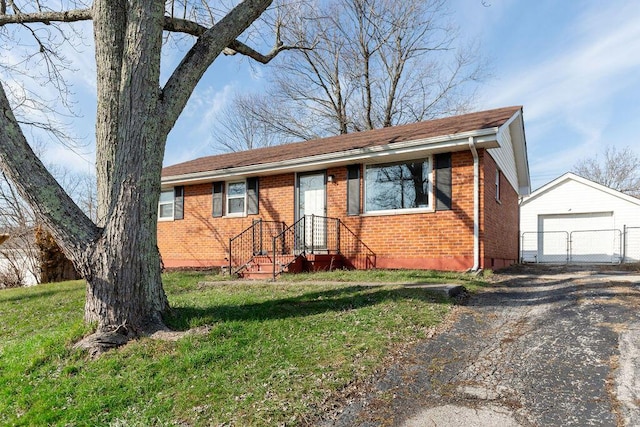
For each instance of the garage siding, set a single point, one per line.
(571, 198)
(554, 222)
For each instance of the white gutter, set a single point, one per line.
(476, 205)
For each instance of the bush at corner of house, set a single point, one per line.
(10, 278)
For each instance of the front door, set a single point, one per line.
(312, 206)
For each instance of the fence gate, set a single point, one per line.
(610, 246)
(545, 247)
(595, 247)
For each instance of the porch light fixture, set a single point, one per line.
(331, 178)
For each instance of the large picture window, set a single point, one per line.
(397, 186)
(236, 195)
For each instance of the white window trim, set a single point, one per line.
(497, 185)
(172, 203)
(228, 197)
(426, 209)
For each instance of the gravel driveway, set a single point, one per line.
(548, 346)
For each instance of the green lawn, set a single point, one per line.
(271, 354)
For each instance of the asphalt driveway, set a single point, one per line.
(542, 347)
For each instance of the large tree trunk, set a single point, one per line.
(124, 286)
(118, 256)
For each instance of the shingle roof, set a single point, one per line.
(414, 131)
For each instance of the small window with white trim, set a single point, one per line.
(165, 206)
(498, 184)
(236, 198)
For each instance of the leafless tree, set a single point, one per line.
(118, 256)
(18, 252)
(81, 186)
(374, 63)
(237, 132)
(617, 169)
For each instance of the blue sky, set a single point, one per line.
(573, 65)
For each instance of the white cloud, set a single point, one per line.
(571, 98)
(77, 160)
(580, 75)
(191, 137)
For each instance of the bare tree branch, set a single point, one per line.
(236, 46)
(50, 202)
(239, 132)
(171, 24)
(210, 44)
(46, 17)
(616, 169)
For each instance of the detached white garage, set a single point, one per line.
(575, 220)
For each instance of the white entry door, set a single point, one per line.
(312, 206)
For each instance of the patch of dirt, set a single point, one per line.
(100, 342)
(169, 335)
(621, 267)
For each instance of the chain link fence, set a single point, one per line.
(612, 246)
(631, 244)
(545, 247)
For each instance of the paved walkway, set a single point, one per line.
(540, 348)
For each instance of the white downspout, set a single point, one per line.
(476, 205)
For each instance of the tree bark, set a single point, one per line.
(109, 24)
(124, 286)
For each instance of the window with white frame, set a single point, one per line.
(236, 197)
(397, 186)
(165, 206)
(498, 184)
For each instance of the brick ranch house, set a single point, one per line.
(441, 194)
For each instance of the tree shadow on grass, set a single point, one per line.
(34, 293)
(307, 304)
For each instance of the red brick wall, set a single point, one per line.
(435, 240)
(500, 220)
(199, 240)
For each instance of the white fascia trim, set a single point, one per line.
(570, 176)
(485, 138)
(519, 145)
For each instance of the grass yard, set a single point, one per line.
(270, 354)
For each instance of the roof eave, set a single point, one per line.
(485, 138)
(587, 182)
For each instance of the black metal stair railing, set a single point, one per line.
(331, 235)
(287, 246)
(356, 254)
(254, 240)
(319, 234)
(311, 234)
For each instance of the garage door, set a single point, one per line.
(588, 238)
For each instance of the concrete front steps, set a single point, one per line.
(261, 266)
